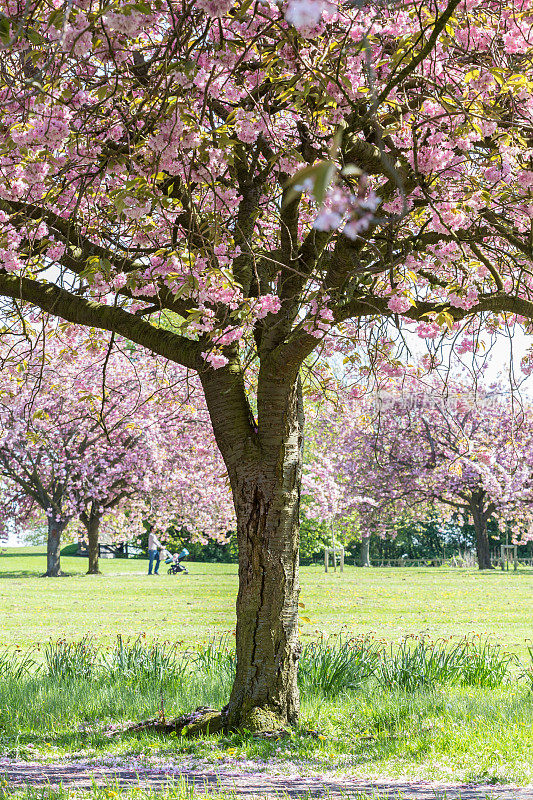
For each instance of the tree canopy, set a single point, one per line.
(425, 442)
(248, 176)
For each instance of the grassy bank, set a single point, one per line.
(416, 709)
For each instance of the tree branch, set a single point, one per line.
(440, 23)
(81, 311)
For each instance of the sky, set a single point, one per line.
(505, 354)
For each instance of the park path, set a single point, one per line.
(250, 784)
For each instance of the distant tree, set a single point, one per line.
(418, 448)
(331, 495)
(468, 451)
(96, 429)
(35, 532)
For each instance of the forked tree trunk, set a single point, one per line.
(482, 537)
(53, 548)
(266, 479)
(364, 552)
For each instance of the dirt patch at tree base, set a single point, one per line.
(246, 784)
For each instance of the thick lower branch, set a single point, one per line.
(79, 310)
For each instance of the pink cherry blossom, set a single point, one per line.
(399, 303)
(106, 433)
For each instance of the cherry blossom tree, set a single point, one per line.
(333, 497)
(95, 430)
(340, 475)
(416, 444)
(189, 489)
(228, 183)
(446, 443)
(174, 476)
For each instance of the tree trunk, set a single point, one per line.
(365, 552)
(53, 548)
(93, 527)
(482, 536)
(266, 478)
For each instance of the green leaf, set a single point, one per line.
(323, 179)
(56, 18)
(337, 140)
(104, 264)
(34, 37)
(320, 175)
(473, 74)
(445, 318)
(4, 30)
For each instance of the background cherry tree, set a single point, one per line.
(426, 442)
(333, 497)
(88, 428)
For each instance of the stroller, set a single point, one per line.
(174, 562)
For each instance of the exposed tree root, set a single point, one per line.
(202, 721)
(205, 721)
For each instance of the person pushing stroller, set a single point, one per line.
(154, 553)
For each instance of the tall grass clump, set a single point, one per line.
(215, 662)
(335, 664)
(418, 664)
(484, 663)
(64, 660)
(137, 662)
(328, 667)
(528, 670)
(14, 664)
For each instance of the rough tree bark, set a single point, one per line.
(91, 521)
(53, 548)
(364, 553)
(480, 517)
(264, 465)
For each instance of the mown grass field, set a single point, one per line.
(191, 608)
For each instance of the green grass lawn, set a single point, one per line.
(438, 731)
(390, 602)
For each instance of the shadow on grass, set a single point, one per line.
(24, 573)
(42, 554)
(69, 740)
(299, 750)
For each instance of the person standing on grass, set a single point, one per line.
(154, 546)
